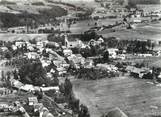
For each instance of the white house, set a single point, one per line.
(72, 42)
(20, 44)
(112, 53)
(32, 55)
(20, 29)
(100, 40)
(67, 52)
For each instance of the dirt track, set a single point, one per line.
(136, 97)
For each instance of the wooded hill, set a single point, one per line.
(29, 14)
(145, 1)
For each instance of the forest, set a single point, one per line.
(10, 20)
(144, 1)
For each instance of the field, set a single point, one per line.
(150, 7)
(13, 37)
(136, 97)
(82, 26)
(142, 31)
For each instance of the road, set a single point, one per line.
(136, 97)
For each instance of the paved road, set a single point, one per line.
(136, 97)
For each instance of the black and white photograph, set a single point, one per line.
(80, 58)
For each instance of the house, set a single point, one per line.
(121, 56)
(20, 29)
(44, 112)
(32, 55)
(20, 44)
(4, 107)
(76, 60)
(56, 88)
(137, 72)
(100, 40)
(14, 47)
(32, 100)
(107, 67)
(145, 55)
(67, 52)
(38, 106)
(92, 42)
(60, 39)
(27, 88)
(45, 28)
(45, 63)
(41, 44)
(88, 63)
(54, 55)
(112, 53)
(4, 49)
(16, 84)
(30, 48)
(137, 20)
(52, 45)
(73, 42)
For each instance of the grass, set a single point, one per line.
(134, 96)
(13, 37)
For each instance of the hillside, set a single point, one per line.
(38, 11)
(18, 15)
(145, 1)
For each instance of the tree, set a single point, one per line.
(85, 52)
(131, 5)
(68, 87)
(39, 94)
(44, 53)
(33, 73)
(88, 35)
(7, 80)
(55, 82)
(149, 44)
(83, 111)
(15, 74)
(93, 50)
(33, 41)
(3, 76)
(62, 88)
(8, 55)
(106, 56)
(121, 2)
(153, 45)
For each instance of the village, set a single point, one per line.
(91, 62)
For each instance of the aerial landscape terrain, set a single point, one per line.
(80, 58)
